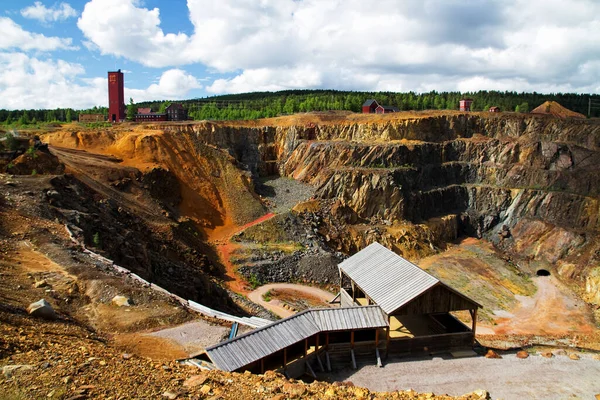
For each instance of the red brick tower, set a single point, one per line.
(116, 97)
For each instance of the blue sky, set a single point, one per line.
(57, 53)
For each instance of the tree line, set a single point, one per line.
(270, 104)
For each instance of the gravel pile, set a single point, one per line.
(283, 193)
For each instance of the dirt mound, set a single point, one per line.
(38, 162)
(554, 108)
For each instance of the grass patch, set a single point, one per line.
(267, 296)
(254, 281)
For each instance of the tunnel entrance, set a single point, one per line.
(542, 272)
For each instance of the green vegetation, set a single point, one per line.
(34, 172)
(267, 296)
(271, 104)
(131, 110)
(98, 125)
(96, 241)
(11, 142)
(31, 152)
(254, 281)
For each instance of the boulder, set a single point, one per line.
(573, 356)
(42, 309)
(547, 354)
(522, 354)
(121, 301)
(492, 354)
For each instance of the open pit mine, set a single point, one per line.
(200, 257)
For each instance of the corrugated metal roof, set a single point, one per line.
(388, 279)
(259, 343)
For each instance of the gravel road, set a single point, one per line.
(535, 377)
(194, 336)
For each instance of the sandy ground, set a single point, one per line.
(508, 378)
(277, 306)
(552, 310)
(194, 336)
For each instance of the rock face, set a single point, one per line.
(42, 309)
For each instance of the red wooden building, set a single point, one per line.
(116, 97)
(369, 106)
(465, 104)
(494, 109)
(386, 110)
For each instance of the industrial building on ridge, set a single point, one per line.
(174, 112)
(387, 306)
(117, 109)
(372, 107)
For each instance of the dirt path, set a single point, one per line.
(221, 237)
(277, 306)
(552, 310)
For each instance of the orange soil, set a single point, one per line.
(221, 237)
(554, 108)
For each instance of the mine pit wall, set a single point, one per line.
(534, 176)
(472, 173)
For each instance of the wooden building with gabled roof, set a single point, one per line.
(388, 304)
(416, 304)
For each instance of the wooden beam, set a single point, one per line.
(284, 358)
(474, 326)
(310, 370)
(320, 363)
(352, 339)
(353, 359)
(305, 347)
(328, 361)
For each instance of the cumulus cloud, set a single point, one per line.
(15, 37)
(43, 14)
(173, 84)
(408, 45)
(29, 82)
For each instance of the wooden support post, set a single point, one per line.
(353, 291)
(353, 359)
(474, 326)
(352, 339)
(262, 365)
(387, 339)
(310, 370)
(328, 361)
(284, 358)
(317, 352)
(379, 364)
(305, 347)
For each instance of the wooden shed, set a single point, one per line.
(292, 344)
(370, 106)
(416, 304)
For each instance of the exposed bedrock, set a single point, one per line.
(528, 183)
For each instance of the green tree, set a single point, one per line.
(69, 116)
(130, 110)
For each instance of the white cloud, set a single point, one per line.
(414, 44)
(29, 82)
(43, 14)
(15, 37)
(173, 84)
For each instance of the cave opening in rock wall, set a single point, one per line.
(542, 272)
